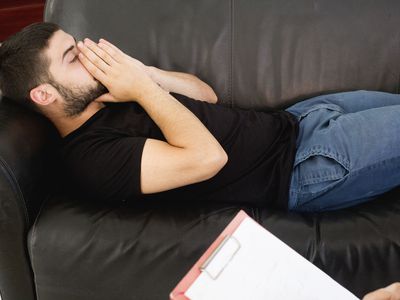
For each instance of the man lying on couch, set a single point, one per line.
(135, 133)
(324, 153)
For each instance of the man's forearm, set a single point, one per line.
(179, 125)
(183, 83)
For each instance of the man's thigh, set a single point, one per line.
(359, 159)
(351, 101)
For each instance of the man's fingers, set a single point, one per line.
(116, 49)
(93, 69)
(115, 55)
(94, 59)
(391, 292)
(100, 52)
(394, 287)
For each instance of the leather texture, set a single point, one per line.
(26, 158)
(254, 53)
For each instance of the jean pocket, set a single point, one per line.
(319, 173)
(327, 106)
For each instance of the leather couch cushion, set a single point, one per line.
(81, 248)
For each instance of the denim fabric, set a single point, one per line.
(348, 149)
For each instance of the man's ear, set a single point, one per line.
(43, 94)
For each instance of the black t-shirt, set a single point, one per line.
(103, 156)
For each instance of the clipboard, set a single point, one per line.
(240, 250)
(205, 263)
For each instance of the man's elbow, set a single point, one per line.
(207, 95)
(215, 163)
(211, 96)
(207, 92)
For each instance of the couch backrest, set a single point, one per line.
(254, 53)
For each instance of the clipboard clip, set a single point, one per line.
(220, 257)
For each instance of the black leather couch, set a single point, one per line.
(255, 54)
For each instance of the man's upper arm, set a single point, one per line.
(165, 167)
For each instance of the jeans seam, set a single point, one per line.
(321, 178)
(319, 106)
(335, 156)
(324, 190)
(372, 166)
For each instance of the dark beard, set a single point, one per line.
(78, 99)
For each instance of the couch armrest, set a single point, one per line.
(25, 162)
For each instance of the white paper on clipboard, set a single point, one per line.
(263, 267)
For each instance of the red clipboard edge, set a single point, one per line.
(178, 293)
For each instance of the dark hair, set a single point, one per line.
(23, 65)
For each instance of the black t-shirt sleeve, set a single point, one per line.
(190, 103)
(108, 168)
(180, 97)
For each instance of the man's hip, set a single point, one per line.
(341, 151)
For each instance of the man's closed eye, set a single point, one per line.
(74, 59)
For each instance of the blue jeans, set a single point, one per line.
(348, 150)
